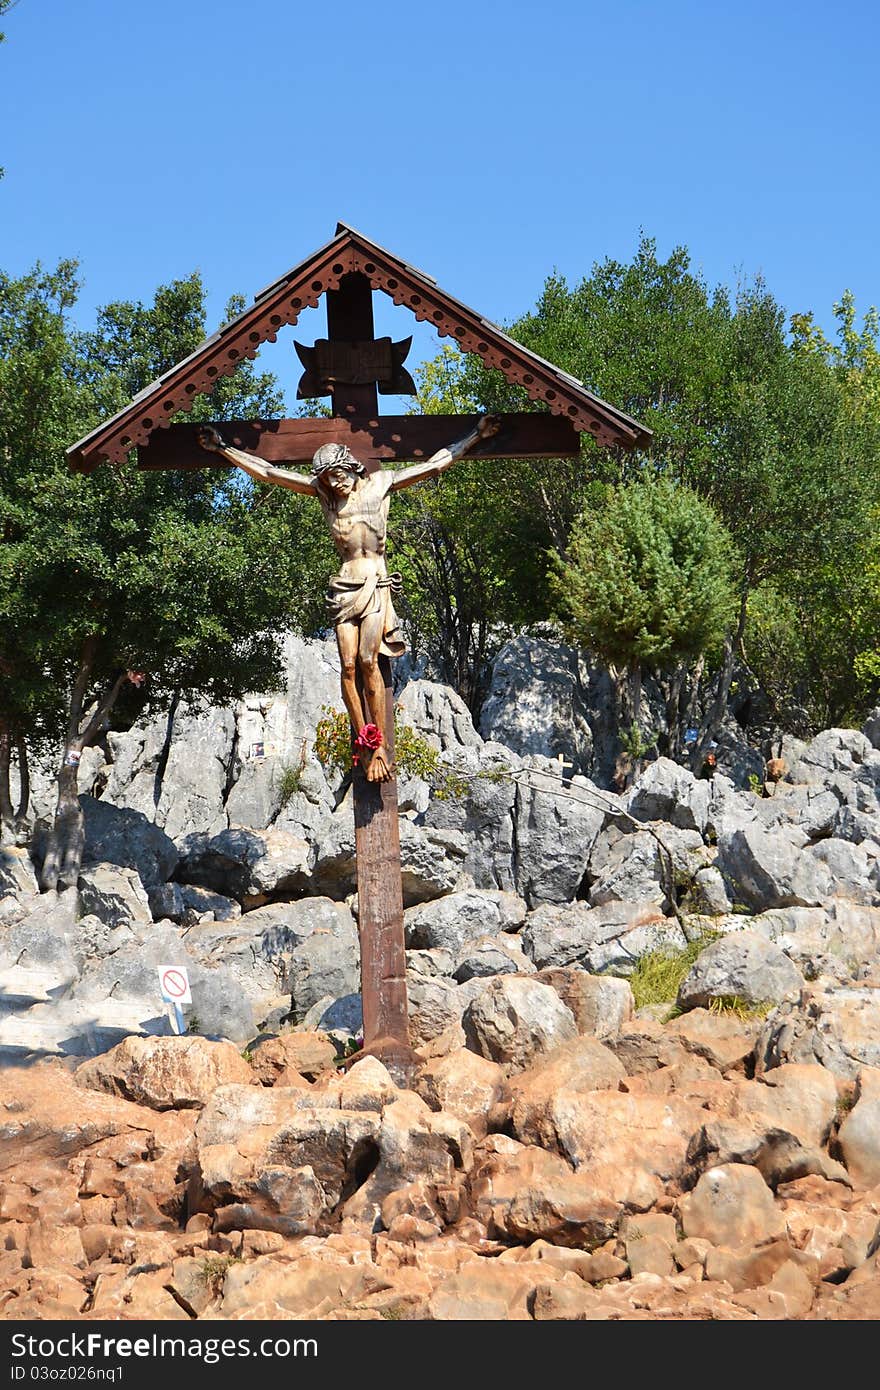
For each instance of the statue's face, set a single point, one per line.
(341, 480)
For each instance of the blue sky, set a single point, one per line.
(488, 143)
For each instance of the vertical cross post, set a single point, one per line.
(377, 828)
(380, 898)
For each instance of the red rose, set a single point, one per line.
(370, 737)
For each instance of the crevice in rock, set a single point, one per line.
(362, 1164)
(231, 778)
(162, 764)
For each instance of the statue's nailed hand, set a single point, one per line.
(209, 438)
(487, 426)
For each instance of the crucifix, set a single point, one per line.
(346, 452)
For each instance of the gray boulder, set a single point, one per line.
(113, 894)
(665, 791)
(203, 901)
(491, 955)
(483, 815)
(556, 935)
(439, 715)
(166, 901)
(859, 827)
(556, 828)
(627, 868)
(129, 976)
(832, 752)
(538, 702)
(838, 1028)
(840, 940)
(812, 809)
(17, 877)
(432, 859)
(327, 962)
(435, 963)
(175, 769)
(743, 966)
(274, 730)
(515, 1018)
(116, 835)
(437, 1004)
(600, 1004)
(341, 1018)
(461, 917)
(241, 863)
(871, 728)
(765, 869)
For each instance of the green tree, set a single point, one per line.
(777, 430)
(186, 577)
(647, 584)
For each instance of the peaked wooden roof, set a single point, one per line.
(283, 301)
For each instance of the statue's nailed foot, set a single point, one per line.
(377, 768)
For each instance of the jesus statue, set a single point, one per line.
(360, 598)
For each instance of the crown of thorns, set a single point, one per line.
(335, 456)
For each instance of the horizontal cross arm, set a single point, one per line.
(386, 439)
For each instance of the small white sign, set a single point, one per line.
(174, 984)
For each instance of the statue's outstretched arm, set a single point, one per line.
(445, 458)
(210, 439)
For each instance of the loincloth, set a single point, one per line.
(350, 600)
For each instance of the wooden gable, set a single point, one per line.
(281, 303)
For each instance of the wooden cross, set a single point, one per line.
(353, 367)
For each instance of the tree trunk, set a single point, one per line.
(64, 850)
(66, 842)
(715, 715)
(6, 815)
(24, 781)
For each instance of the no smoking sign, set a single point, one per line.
(174, 984)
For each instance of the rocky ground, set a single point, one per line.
(560, 1152)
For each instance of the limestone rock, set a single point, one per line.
(114, 835)
(17, 877)
(838, 1028)
(113, 894)
(437, 1004)
(439, 715)
(165, 1073)
(240, 862)
(450, 922)
(767, 869)
(601, 1004)
(484, 815)
(627, 867)
(515, 1018)
(556, 827)
(666, 791)
(538, 702)
(744, 966)
(625, 1134)
(859, 1134)
(309, 1054)
(561, 935)
(491, 955)
(464, 1085)
(522, 1193)
(732, 1206)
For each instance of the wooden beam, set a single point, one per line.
(380, 898)
(350, 320)
(380, 439)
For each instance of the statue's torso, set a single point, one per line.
(359, 524)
